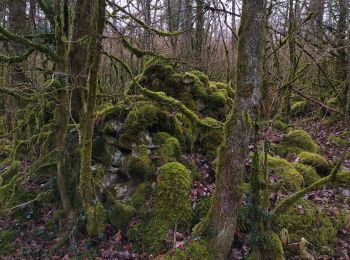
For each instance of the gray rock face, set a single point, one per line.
(116, 158)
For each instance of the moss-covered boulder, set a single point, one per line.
(274, 249)
(194, 250)
(7, 237)
(299, 108)
(170, 151)
(140, 166)
(121, 214)
(295, 142)
(171, 208)
(309, 173)
(96, 220)
(139, 196)
(173, 184)
(304, 219)
(290, 178)
(316, 161)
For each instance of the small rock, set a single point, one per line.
(116, 158)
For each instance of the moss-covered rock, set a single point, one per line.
(316, 161)
(7, 237)
(170, 151)
(304, 219)
(140, 166)
(291, 179)
(279, 125)
(296, 141)
(139, 196)
(193, 250)
(96, 220)
(121, 214)
(160, 137)
(173, 184)
(299, 108)
(274, 249)
(309, 173)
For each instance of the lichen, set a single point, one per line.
(309, 173)
(291, 179)
(170, 151)
(316, 161)
(295, 142)
(306, 220)
(96, 220)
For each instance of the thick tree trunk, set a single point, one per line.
(234, 151)
(17, 24)
(93, 61)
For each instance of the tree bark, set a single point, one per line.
(233, 154)
(93, 61)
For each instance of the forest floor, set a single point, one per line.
(38, 237)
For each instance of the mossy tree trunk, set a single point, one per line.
(292, 59)
(342, 64)
(93, 61)
(233, 154)
(18, 24)
(62, 106)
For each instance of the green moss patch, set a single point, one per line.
(316, 161)
(291, 179)
(305, 220)
(309, 173)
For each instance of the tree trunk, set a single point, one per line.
(234, 151)
(93, 61)
(199, 34)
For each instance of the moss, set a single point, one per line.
(338, 140)
(309, 173)
(194, 250)
(296, 142)
(100, 151)
(305, 220)
(291, 179)
(7, 192)
(198, 89)
(201, 76)
(299, 108)
(202, 208)
(140, 165)
(316, 161)
(343, 179)
(6, 239)
(138, 119)
(96, 220)
(333, 103)
(173, 184)
(121, 214)
(274, 249)
(139, 196)
(160, 137)
(10, 172)
(279, 125)
(170, 150)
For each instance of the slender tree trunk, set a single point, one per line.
(342, 48)
(234, 151)
(199, 34)
(187, 28)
